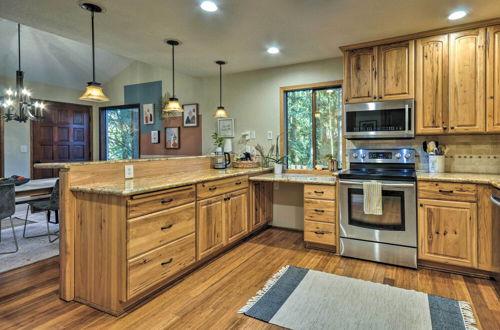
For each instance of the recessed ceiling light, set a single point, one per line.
(273, 50)
(458, 14)
(209, 6)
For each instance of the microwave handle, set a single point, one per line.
(406, 118)
(396, 185)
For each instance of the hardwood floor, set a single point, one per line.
(210, 296)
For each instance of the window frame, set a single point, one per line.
(283, 113)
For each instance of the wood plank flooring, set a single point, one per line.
(210, 296)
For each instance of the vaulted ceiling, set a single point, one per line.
(239, 32)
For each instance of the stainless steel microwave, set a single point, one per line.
(380, 120)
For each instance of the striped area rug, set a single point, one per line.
(298, 298)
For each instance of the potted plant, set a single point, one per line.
(218, 141)
(278, 163)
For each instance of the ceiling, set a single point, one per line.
(240, 31)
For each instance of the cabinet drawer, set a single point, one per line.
(465, 192)
(319, 210)
(319, 232)
(214, 188)
(155, 266)
(319, 191)
(151, 231)
(161, 200)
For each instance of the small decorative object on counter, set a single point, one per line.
(332, 163)
(436, 156)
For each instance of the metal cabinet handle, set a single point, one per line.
(227, 198)
(167, 201)
(167, 262)
(238, 183)
(166, 227)
(446, 191)
(495, 200)
(320, 232)
(319, 211)
(319, 192)
(212, 188)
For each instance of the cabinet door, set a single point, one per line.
(488, 226)
(431, 93)
(395, 75)
(359, 66)
(447, 232)
(210, 228)
(493, 79)
(467, 107)
(236, 208)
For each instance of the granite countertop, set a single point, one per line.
(297, 178)
(493, 179)
(142, 185)
(68, 165)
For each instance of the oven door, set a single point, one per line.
(396, 225)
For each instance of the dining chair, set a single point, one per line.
(7, 210)
(52, 204)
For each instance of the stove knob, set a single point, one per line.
(363, 156)
(398, 155)
(354, 155)
(408, 156)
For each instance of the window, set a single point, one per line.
(313, 125)
(119, 128)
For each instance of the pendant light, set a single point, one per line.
(173, 102)
(93, 92)
(18, 104)
(220, 112)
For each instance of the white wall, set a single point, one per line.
(18, 134)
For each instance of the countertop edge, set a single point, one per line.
(455, 177)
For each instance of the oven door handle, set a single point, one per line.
(395, 185)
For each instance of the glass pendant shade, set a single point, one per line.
(94, 93)
(220, 112)
(173, 105)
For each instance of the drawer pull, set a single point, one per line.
(238, 183)
(212, 188)
(167, 262)
(320, 232)
(319, 211)
(319, 192)
(227, 198)
(167, 201)
(167, 227)
(446, 191)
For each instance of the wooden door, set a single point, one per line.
(431, 93)
(396, 71)
(447, 232)
(493, 79)
(467, 107)
(236, 208)
(210, 226)
(360, 71)
(63, 136)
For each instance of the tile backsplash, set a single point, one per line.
(464, 153)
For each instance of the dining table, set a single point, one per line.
(36, 187)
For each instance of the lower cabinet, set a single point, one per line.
(261, 201)
(320, 216)
(236, 216)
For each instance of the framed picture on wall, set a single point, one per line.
(190, 116)
(148, 114)
(225, 127)
(155, 137)
(172, 137)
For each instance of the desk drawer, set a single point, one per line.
(319, 232)
(218, 187)
(151, 231)
(465, 192)
(319, 210)
(319, 191)
(155, 266)
(161, 200)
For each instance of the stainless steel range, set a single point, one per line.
(391, 237)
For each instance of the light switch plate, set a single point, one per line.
(23, 148)
(269, 135)
(252, 134)
(129, 171)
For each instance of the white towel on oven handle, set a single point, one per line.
(372, 197)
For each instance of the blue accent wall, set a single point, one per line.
(146, 93)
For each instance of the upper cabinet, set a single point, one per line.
(359, 66)
(395, 71)
(379, 73)
(431, 91)
(493, 79)
(467, 81)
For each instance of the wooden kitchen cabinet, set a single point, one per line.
(493, 79)
(359, 67)
(320, 216)
(448, 232)
(210, 226)
(395, 72)
(431, 86)
(236, 215)
(467, 107)
(261, 201)
(488, 228)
